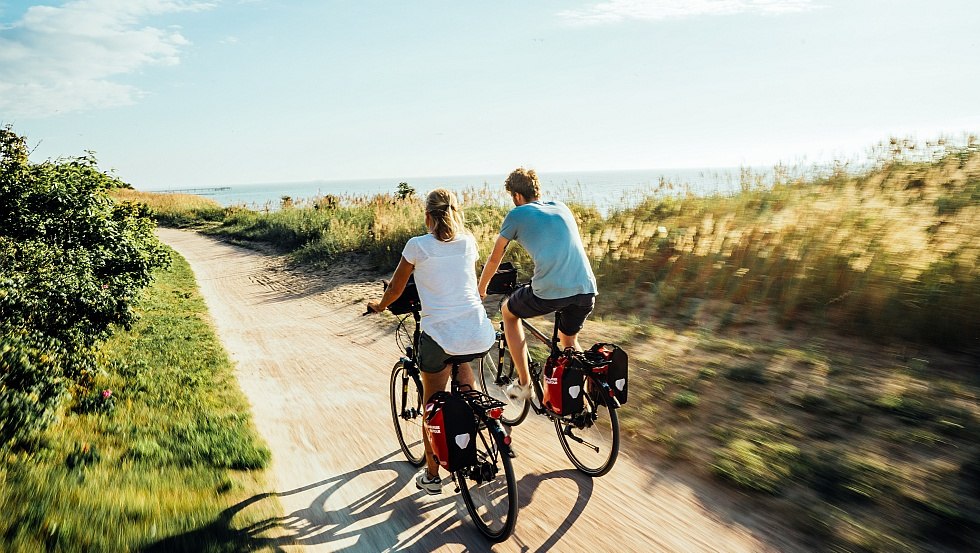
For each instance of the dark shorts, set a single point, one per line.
(573, 309)
(432, 358)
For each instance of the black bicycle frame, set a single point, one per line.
(555, 352)
(480, 410)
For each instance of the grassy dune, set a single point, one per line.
(158, 444)
(891, 252)
(174, 210)
(812, 342)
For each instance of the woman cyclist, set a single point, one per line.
(454, 321)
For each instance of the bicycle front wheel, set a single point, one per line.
(489, 488)
(407, 411)
(591, 438)
(495, 376)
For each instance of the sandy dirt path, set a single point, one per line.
(316, 373)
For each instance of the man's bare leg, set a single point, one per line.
(516, 343)
(568, 341)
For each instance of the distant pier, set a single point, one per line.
(198, 191)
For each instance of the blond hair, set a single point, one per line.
(447, 217)
(524, 182)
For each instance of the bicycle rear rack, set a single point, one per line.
(481, 400)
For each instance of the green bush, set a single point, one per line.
(71, 263)
(31, 383)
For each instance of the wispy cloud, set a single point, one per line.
(64, 59)
(615, 11)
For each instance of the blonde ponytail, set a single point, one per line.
(446, 215)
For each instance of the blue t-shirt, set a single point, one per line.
(549, 233)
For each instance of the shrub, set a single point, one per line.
(71, 263)
(31, 383)
(685, 398)
(756, 464)
(405, 191)
(752, 372)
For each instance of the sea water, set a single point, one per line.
(605, 190)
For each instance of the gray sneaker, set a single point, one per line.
(431, 484)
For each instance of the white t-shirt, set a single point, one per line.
(445, 275)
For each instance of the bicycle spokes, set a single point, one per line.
(494, 378)
(406, 413)
(489, 489)
(570, 434)
(591, 438)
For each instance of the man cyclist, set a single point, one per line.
(563, 280)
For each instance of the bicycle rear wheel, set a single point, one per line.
(407, 411)
(495, 376)
(489, 488)
(591, 439)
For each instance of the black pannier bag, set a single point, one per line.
(617, 372)
(408, 301)
(504, 280)
(563, 385)
(451, 430)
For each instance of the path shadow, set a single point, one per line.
(529, 485)
(314, 524)
(371, 521)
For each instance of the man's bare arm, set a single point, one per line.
(492, 263)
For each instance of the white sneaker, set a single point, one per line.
(518, 392)
(431, 484)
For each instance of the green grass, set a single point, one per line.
(163, 456)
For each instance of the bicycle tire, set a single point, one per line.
(481, 489)
(494, 383)
(597, 423)
(407, 412)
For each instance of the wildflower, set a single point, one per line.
(106, 394)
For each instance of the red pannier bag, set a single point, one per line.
(451, 430)
(562, 385)
(617, 371)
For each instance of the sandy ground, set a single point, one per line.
(316, 373)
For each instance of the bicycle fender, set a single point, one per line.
(612, 400)
(500, 436)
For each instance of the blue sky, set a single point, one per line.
(199, 93)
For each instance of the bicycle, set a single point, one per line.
(488, 487)
(590, 436)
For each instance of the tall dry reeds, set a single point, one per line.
(175, 210)
(889, 252)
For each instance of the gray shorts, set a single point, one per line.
(573, 309)
(432, 358)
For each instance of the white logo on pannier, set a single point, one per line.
(620, 383)
(462, 440)
(574, 391)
